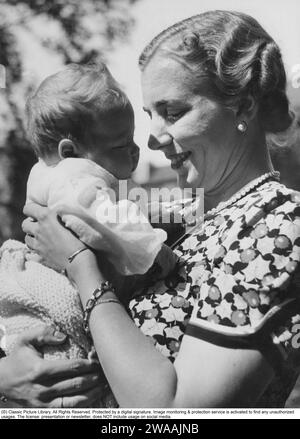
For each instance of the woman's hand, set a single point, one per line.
(31, 381)
(48, 237)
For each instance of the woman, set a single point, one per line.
(213, 85)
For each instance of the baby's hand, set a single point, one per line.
(166, 260)
(163, 265)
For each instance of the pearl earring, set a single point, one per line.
(242, 126)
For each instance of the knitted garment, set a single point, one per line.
(32, 295)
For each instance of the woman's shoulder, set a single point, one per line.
(272, 198)
(269, 214)
(274, 212)
(253, 265)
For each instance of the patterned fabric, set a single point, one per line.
(236, 269)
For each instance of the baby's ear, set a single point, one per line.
(67, 148)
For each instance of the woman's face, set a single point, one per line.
(194, 131)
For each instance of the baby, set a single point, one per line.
(81, 126)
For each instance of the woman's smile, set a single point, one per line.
(177, 160)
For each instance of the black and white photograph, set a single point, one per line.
(149, 209)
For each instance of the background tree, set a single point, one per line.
(35, 35)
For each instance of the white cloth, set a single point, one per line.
(86, 196)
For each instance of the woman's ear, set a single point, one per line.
(247, 108)
(66, 148)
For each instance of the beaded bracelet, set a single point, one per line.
(105, 287)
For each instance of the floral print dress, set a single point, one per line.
(237, 284)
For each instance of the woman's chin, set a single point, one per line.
(182, 174)
(188, 177)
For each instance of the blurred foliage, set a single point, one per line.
(50, 31)
(285, 153)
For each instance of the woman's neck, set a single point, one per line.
(254, 162)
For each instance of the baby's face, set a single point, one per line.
(115, 150)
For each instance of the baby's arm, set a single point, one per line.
(163, 266)
(166, 261)
(78, 200)
(117, 227)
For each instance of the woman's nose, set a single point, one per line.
(159, 141)
(159, 135)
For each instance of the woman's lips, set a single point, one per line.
(177, 160)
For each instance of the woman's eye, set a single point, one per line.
(173, 117)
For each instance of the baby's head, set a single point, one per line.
(81, 112)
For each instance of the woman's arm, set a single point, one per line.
(203, 375)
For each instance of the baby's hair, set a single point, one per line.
(69, 103)
(236, 55)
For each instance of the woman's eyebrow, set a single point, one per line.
(165, 102)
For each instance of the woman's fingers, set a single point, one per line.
(87, 399)
(57, 369)
(40, 336)
(73, 386)
(33, 256)
(49, 237)
(29, 226)
(26, 378)
(31, 242)
(35, 211)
